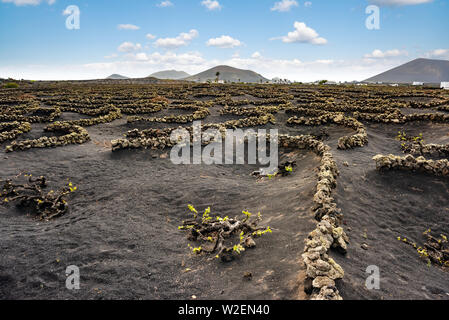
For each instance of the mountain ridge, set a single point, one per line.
(170, 74)
(116, 76)
(228, 74)
(419, 70)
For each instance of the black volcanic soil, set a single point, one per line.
(122, 227)
(379, 207)
(122, 232)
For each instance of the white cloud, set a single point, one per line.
(138, 65)
(307, 4)
(28, 2)
(190, 58)
(379, 54)
(165, 4)
(114, 55)
(325, 61)
(141, 56)
(129, 47)
(143, 64)
(149, 36)
(284, 5)
(211, 4)
(302, 34)
(182, 40)
(256, 55)
(224, 42)
(127, 27)
(438, 53)
(399, 2)
(329, 69)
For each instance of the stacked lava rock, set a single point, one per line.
(410, 163)
(10, 130)
(322, 270)
(74, 135)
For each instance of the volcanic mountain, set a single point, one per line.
(419, 70)
(116, 77)
(228, 74)
(170, 74)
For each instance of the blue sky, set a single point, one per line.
(299, 40)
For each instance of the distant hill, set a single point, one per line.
(116, 77)
(420, 70)
(170, 74)
(147, 80)
(228, 74)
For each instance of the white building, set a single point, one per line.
(280, 81)
(417, 83)
(445, 85)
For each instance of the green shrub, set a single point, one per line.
(10, 85)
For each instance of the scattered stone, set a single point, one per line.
(249, 242)
(308, 285)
